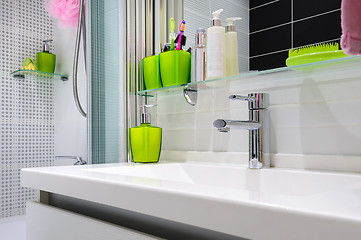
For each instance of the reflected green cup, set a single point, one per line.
(175, 67)
(151, 73)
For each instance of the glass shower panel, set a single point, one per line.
(105, 143)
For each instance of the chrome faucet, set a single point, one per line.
(258, 126)
(79, 160)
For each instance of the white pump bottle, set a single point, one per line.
(231, 47)
(216, 38)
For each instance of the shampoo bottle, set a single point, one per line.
(145, 140)
(215, 54)
(46, 60)
(231, 47)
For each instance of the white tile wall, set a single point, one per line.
(27, 116)
(38, 117)
(312, 113)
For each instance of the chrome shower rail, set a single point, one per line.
(76, 58)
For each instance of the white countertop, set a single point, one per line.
(254, 204)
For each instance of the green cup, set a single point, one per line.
(175, 67)
(151, 73)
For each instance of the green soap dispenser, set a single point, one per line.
(46, 60)
(145, 140)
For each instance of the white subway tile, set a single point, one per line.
(203, 140)
(238, 140)
(337, 140)
(204, 120)
(176, 121)
(337, 113)
(181, 140)
(286, 140)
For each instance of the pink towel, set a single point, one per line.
(351, 26)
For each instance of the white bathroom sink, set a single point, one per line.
(238, 177)
(254, 204)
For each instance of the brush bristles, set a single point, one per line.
(316, 48)
(182, 27)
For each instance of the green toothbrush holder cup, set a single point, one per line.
(151, 74)
(175, 67)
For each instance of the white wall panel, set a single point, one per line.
(312, 113)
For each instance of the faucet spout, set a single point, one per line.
(222, 124)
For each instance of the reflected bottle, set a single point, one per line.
(198, 66)
(145, 140)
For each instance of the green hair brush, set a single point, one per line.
(314, 53)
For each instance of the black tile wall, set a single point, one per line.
(279, 25)
(268, 61)
(270, 15)
(318, 29)
(271, 40)
(308, 8)
(256, 3)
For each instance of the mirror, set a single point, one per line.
(269, 28)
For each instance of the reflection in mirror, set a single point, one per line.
(269, 28)
(198, 14)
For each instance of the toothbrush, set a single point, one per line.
(182, 27)
(172, 27)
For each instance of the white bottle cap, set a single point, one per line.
(230, 24)
(216, 21)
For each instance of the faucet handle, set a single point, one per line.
(255, 100)
(239, 97)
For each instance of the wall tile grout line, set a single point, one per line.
(269, 28)
(317, 15)
(294, 21)
(264, 4)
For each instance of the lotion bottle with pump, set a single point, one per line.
(145, 140)
(231, 47)
(215, 54)
(46, 60)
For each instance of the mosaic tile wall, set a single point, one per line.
(27, 105)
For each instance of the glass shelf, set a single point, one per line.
(221, 81)
(22, 73)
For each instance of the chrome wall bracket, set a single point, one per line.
(190, 93)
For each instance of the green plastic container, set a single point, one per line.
(45, 62)
(175, 67)
(145, 142)
(151, 74)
